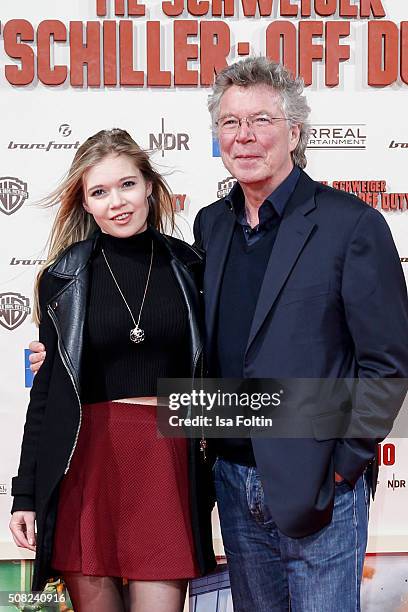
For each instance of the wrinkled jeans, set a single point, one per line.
(271, 572)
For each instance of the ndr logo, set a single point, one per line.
(167, 141)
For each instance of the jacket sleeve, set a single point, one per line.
(376, 308)
(198, 239)
(23, 485)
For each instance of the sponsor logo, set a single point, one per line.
(168, 141)
(216, 147)
(28, 374)
(225, 186)
(338, 136)
(178, 200)
(386, 455)
(44, 146)
(26, 262)
(396, 483)
(398, 145)
(3, 489)
(14, 309)
(13, 194)
(64, 130)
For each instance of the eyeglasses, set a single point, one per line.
(257, 123)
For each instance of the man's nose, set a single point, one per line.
(245, 132)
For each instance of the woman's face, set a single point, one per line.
(115, 194)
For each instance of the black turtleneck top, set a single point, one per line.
(113, 366)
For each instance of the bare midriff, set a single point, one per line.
(149, 400)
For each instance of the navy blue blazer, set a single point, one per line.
(333, 304)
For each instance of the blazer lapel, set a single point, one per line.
(294, 232)
(216, 256)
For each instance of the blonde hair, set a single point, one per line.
(72, 222)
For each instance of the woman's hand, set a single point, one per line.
(22, 526)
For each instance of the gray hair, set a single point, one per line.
(254, 71)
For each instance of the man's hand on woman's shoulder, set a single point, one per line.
(37, 355)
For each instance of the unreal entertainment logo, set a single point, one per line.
(338, 136)
(225, 186)
(14, 309)
(13, 194)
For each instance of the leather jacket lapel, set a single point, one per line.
(67, 308)
(191, 295)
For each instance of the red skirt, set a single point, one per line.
(124, 504)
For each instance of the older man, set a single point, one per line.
(298, 278)
(297, 282)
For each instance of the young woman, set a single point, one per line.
(117, 309)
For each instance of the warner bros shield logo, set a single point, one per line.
(14, 309)
(13, 194)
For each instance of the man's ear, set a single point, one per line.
(294, 135)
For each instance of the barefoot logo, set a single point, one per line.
(14, 309)
(64, 130)
(13, 194)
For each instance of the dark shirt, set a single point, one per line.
(244, 272)
(113, 366)
(271, 208)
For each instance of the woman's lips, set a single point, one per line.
(122, 218)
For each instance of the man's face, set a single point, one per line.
(256, 155)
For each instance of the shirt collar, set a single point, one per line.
(274, 204)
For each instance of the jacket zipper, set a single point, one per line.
(203, 441)
(51, 314)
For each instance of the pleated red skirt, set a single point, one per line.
(124, 504)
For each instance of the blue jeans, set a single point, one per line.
(271, 572)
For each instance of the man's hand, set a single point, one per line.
(37, 355)
(22, 527)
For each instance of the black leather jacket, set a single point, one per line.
(54, 412)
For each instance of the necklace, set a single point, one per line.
(136, 334)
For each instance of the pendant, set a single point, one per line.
(137, 335)
(203, 447)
